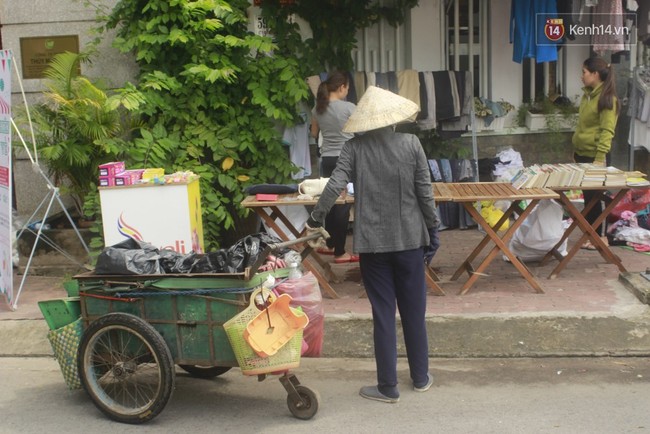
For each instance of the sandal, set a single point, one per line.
(344, 259)
(325, 251)
(588, 246)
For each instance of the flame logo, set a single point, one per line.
(126, 230)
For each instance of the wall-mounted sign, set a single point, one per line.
(37, 52)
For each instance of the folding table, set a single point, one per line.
(469, 192)
(271, 214)
(588, 230)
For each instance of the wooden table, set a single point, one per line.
(470, 192)
(271, 214)
(588, 230)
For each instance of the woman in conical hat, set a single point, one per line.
(395, 230)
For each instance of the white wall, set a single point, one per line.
(426, 34)
(506, 75)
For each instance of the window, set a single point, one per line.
(466, 45)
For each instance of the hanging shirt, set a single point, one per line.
(297, 138)
(527, 20)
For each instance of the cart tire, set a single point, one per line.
(126, 368)
(307, 409)
(205, 371)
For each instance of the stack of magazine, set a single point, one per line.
(575, 175)
(549, 175)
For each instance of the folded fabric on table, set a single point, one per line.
(272, 189)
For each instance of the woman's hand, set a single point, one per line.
(599, 163)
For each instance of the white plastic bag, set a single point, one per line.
(541, 230)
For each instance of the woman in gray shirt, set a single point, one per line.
(395, 231)
(329, 116)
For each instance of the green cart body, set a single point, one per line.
(188, 311)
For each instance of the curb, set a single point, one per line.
(449, 337)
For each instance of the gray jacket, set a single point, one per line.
(393, 198)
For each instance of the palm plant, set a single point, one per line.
(76, 125)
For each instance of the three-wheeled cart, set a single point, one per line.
(138, 327)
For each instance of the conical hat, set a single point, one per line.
(379, 108)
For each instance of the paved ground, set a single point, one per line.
(510, 310)
(504, 396)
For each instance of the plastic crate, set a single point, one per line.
(61, 311)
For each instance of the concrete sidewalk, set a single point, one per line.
(589, 309)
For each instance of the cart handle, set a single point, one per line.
(277, 246)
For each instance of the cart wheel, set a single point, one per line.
(126, 368)
(205, 371)
(307, 408)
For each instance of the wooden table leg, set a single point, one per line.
(431, 277)
(589, 232)
(324, 281)
(500, 244)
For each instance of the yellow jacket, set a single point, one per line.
(594, 132)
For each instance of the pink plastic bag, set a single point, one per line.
(306, 294)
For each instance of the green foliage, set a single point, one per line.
(334, 25)
(210, 92)
(482, 110)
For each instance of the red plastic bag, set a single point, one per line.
(305, 293)
(634, 200)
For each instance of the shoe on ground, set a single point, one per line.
(373, 393)
(424, 387)
(346, 258)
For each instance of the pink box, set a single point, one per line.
(128, 177)
(106, 181)
(111, 169)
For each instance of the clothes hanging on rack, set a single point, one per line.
(452, 214)
(608, 14)
(527, 21)
(297, 138)
(639, 108)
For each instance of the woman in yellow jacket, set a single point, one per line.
(597, 118)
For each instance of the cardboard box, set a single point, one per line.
(149, 174)
(106, 181)
(111, 169)
(128, 177)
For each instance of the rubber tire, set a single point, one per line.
(205, 371)
(311, 399)
(155, 353)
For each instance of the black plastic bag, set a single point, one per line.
(129, 257)
(212, 262)
(173, 262)
(246, 251)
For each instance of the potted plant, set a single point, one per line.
(557, 113)
(491, 114)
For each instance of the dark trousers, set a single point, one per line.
(396, 279)
(336, 221)
(593, 214)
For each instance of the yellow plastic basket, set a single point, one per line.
(250, 363)
(285, 321)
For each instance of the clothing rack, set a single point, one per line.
(638, 71)
(471, 127)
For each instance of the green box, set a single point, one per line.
(61, 311)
